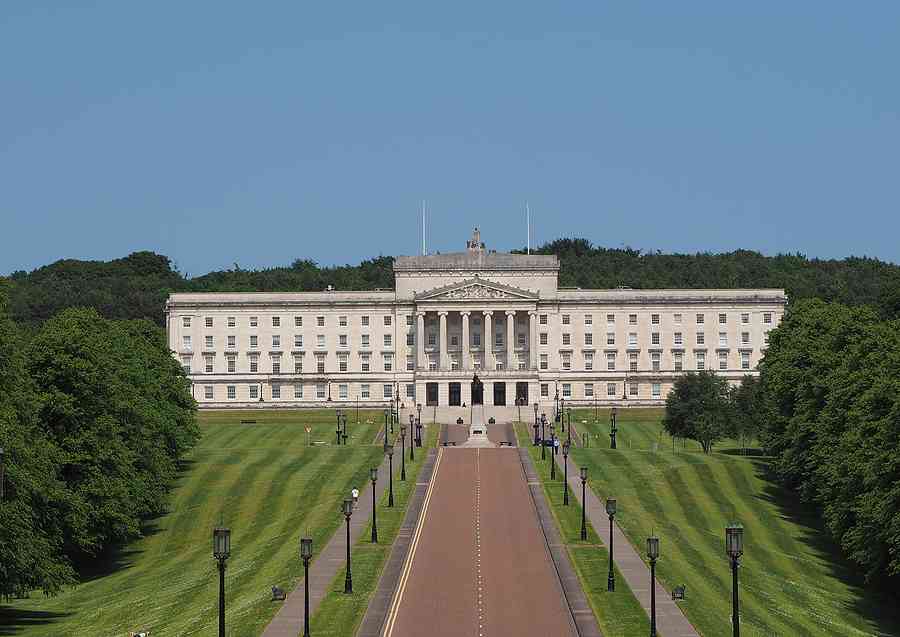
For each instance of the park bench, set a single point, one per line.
(248, 422)
(505, 443)
(678, 592)
(278, 594)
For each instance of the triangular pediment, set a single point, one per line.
(476, 288)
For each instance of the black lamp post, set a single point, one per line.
(536, 439)
(543, 449)
(221, 551)
(348, 511)
(373, 474)
(583, 472)
(552, 451)
(385, 430)
(653, 554)
(419, 425)
(412, 454)
(734, 547)
(612, 428)
(390, 453)
(556, 408)
(403, 452)
(611, 512)
(306, 555)
(566, 473)
(344, 418)
(569, 430)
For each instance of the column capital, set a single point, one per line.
(532, 312)
(420, 312)
(488, 312)
(510, 312)
(465, 313)
(442, 313)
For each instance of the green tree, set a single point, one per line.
(698, 408)
(746, 410)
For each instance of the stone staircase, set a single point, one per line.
(479, 414)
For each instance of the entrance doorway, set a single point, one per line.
(455, 395)
(522, 393)
(431, 394)
(500, 394)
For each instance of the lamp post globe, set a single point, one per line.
(221, 551)
(306, 556)
(583, 473)
(611, 512)
(653, 555)
(373, 476)
(734, 548)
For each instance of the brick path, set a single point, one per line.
(670, 620)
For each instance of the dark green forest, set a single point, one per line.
(136, 286)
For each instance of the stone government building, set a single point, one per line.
(450, 316)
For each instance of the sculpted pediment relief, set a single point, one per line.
(476, 289)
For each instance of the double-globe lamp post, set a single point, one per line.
(653, 554)
(536, 423)
(390, 453)
(419, 425)
(612, 428)
(566, 473)
(221, 551)
(611, 512)
(373, 474)
(583, 503)
(412, 455)
(734, 547)
(306, 556)
(348, 579)
(403, 452)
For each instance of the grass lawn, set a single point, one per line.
(340, 614)
(261, 480)
(619, 613)
(793, 580)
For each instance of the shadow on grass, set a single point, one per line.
(15, 620)
(748, 451)
(877, 605)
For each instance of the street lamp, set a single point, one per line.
(653, 554)
(734, 548)
(412, 454)
(552, 451)
(566, 473)
(536, 423)
(348, 580)
(583, 502)
(543, 423)
(419, 425)
(345, 429)
(563, 414)
(403, 452)
(612, 428)
(306, 555)
(373, 475)
(385, 430)
(556, 400)
(611, 512)
(390, 453)
(569, 430)
(221, 551)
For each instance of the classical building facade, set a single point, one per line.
(452, 316)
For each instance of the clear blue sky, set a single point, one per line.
(256, 133)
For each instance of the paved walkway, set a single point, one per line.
(288, 622)
(670, 620)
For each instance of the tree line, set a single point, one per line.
(137, 286)
(95, 415)
(826, 408)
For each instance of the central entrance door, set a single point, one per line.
(500, 394)
(431, 394)
(477, 391)
(522, 393)
(455, 395)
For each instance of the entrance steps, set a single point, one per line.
(478, 437)
(479, 414)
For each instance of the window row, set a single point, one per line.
(655, 338)
(677, 318)
(253, 321)
(678, 361)
(231, 342)
(299, 391)
(612, 390)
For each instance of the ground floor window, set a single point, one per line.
(364, 390)
(545, 390)
(411, 390)
(388, 391)
(745, 360)
(298, 391)
(254, 391)
(208, 392)
(633, 389)
(655, 390)
(232, 392)
(611, 390)
(567, 390)
(320, 391)
(342, 392)
(589, 390)
(276, 390)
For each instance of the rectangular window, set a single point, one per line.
(410, 319)
(589, 390)
(767, 317)
(364, 391)
(723, 360)
(298, 322)
(254, 364)
(232, 341)
(320, 321)
(588, 361)
(253, 391)
(545, 390)
(320, 341)
(364, 363)
(387, 320)
(565, 319)
(186, 321)
(432, 339)
(254, 321)
(410, 364)
(298, 341)
(342, 362)
(364, 341)
(543, 338)
(276, 391)
(454, 341)
(454, 363)
(209, 342)
(410, 339)
(701, 360)
(723, 339)
(632, 389)
(677, 361)
(567, 361)
(544, 362)
(208, 392)
(677, 339)
(542, 319)
(610, 338)
(364, 321)
(588, 319)
(298, 391)
(276, 365)
(654, 361)
(209, 321)
(701, 338)
(610, 361)
(231, 364)
(342, 340)
(276, 321)
(298, 365)
(700, 319)
(588, 338)
(632, 319)
(566, 339)
(567, 390)
(745, 318)
(232, 393)
(387, 391)
(655, 390)
(186, 343)
(611, 390)
(745, 360)
(186, 364)
(208, 364)
(388, 342)
(411, 391)
(342, 321)
(632, 339)
(254, 341)
(654, 338)
(476, 339)
(745, 338)
(632, 362)
(723, 318)
(610, 319)
(676, 318)
(654, 319)
(343, 391)
(388, 363)
(276, 341)
(498, 339)
(521, 339)
(320, 391)
(320, 364)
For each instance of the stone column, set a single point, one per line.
(487, 340)
(510, 338)
(532, 340)
(466, 358)
(444, 359)
(420, 341)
